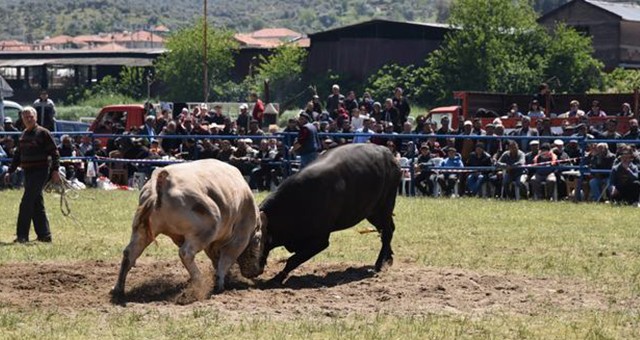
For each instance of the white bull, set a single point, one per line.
(203, 205)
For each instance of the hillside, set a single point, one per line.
(29, 20)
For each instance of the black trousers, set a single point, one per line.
(628, 192)
(32, 204)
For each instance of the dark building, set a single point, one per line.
(613, 27)
(361, 49)
(59, 70)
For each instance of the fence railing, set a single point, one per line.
(582, 168)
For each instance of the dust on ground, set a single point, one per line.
(314, 289)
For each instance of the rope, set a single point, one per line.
(64, 189)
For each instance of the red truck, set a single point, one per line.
(127, 115)
(470, 102)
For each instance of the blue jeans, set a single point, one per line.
(474, 182)
(595, 185)
(307, 159)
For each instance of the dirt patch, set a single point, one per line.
(315, 289)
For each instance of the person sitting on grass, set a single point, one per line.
(624, 182)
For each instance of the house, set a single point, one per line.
(361, 49)
(271, 38)
(613, 27)
(57, 43)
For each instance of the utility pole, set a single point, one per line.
(204, 62)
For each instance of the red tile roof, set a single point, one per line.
(58, 40)
(14, 45)
(271, 38)
(275, 33)
(137, 36)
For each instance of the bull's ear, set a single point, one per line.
(263, 220)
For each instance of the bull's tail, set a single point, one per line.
(161, 184)
(141, 219)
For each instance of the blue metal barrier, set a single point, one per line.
(283, 136)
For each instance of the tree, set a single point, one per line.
(182, 67)
(133, 82)
(283, 69)
(498, 46)
(569, 59)
(492, 48)
(622, 81)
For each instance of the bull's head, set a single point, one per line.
(253, 260)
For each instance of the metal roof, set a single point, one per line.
(625, 10)
(140, 62)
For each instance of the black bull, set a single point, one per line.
(344, 186)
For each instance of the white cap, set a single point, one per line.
(558, 142)
(468, 122)
(8, 120)
(244, 106)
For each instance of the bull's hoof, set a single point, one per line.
(117, 297)
(116, 291)
(186, 298)
(275, 282)
(218, 290)
(381, 265)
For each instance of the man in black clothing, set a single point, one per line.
(351, 102)
(38, 156)
(46, 111)
(333, 102)
(625, 185)
(400, 102)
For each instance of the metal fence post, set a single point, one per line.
(583, 159)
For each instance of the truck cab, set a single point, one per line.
(470, 103)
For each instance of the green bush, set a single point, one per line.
(75, 112)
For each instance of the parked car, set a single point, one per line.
(13, 109)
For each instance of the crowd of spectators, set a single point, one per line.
(437, 154)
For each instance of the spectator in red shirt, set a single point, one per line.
(258, 108)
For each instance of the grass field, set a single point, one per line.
(592, 252)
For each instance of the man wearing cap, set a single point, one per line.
(527, 131)
(9, 127)
(448, 180)
(307, 144)
(243, 118)
(466, 145)
(558, 150)
(574, 110)
(216, 116)
(333, 101)
(46, 111)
